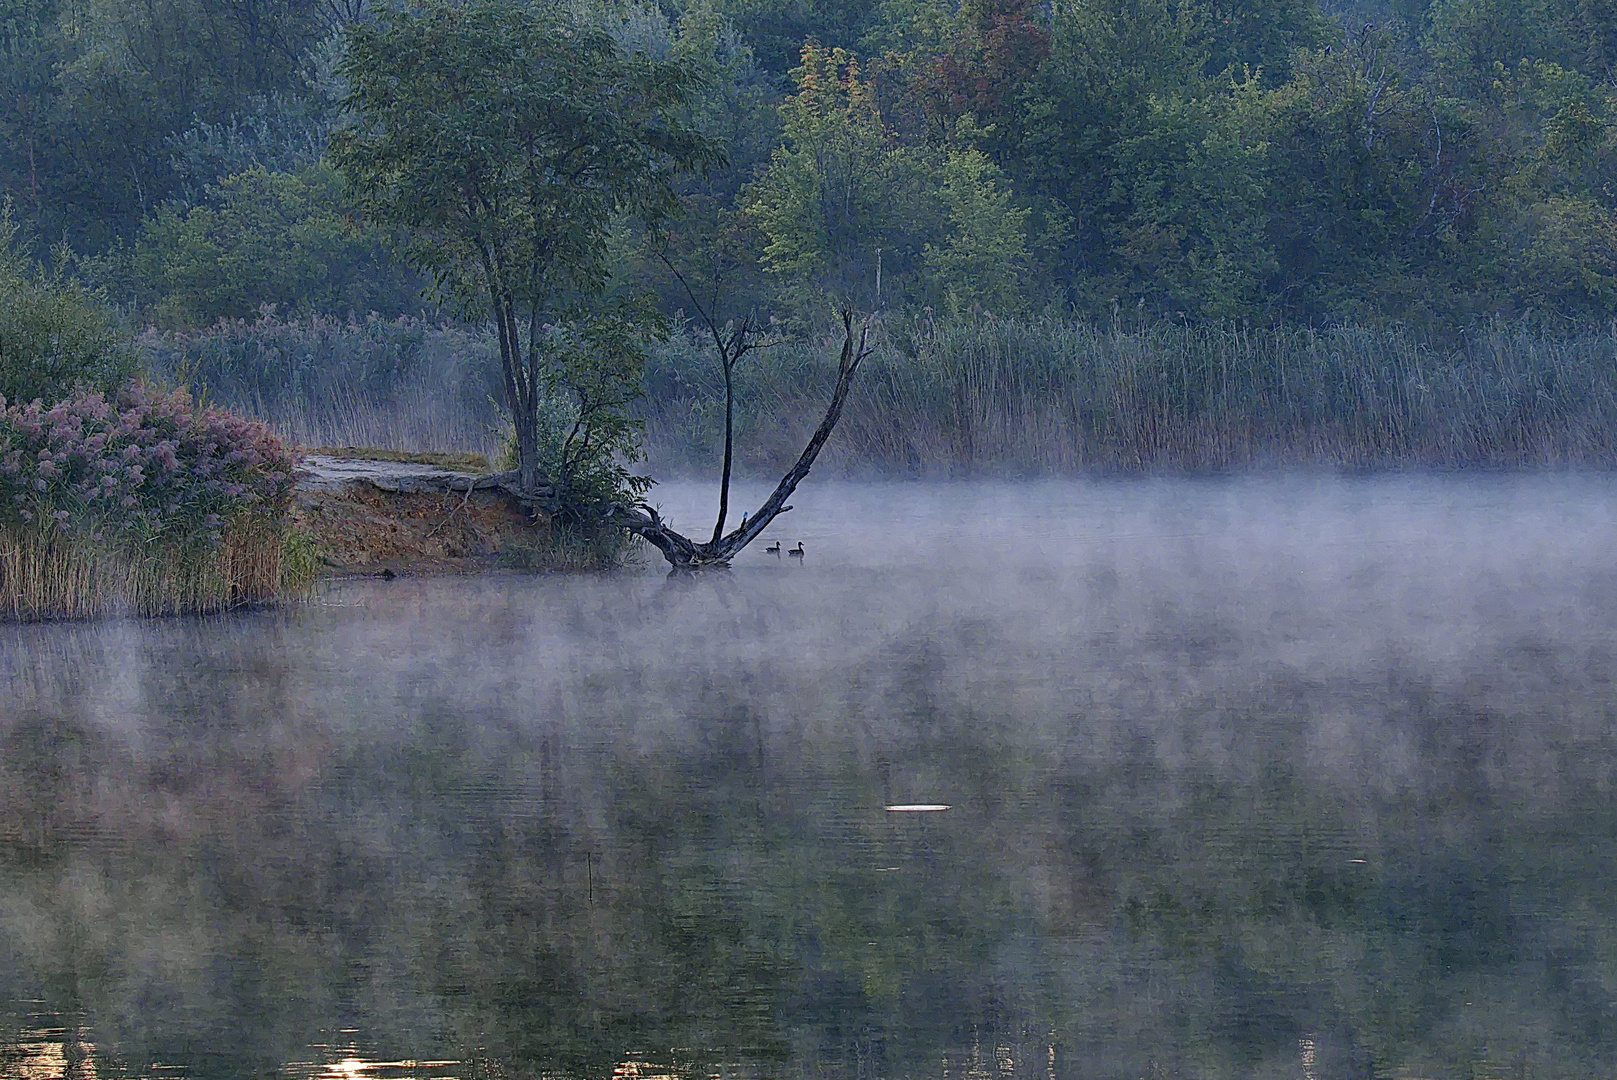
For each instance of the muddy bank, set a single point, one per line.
(372, 517)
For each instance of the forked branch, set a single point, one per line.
(685, 554)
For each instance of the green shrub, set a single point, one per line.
(56, 336)
(276, 240)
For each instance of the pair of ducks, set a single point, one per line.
(796, 552)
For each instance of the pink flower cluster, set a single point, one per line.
(141, 466)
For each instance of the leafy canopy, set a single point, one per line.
(842, 192)
(263, 238)
(508, 138)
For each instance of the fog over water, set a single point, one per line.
(1271, 777)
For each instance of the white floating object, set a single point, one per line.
(917, 808)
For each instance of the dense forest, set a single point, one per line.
(1433, 164)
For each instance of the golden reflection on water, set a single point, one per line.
(346, 1061)
(51, 1053)
(357, 1068)
(64, 1053)
(632, 1068)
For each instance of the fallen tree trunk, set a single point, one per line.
(683, 553)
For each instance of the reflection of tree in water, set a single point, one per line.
(240, 869)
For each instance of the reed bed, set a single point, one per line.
(1043, 397)
(404, 384)
(1035, 396)
(44, 576)
(150, 505)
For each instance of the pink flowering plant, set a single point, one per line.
(141, 467)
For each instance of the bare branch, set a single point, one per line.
(683, 553)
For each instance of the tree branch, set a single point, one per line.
(683, 553)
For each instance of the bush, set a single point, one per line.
(149, 504)
(56, 336)
(276, 239)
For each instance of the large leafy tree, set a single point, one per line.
(93, 92)
(844, 205)
(264, 238)
(506, 139)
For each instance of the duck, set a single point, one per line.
(796, 552)
(774, 549)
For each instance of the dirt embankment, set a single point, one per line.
(373, 517)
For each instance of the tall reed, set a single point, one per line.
(1043, 396)
(974, 396)
(147, 506)
(403, 383)
(59, 576)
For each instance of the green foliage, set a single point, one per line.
(982, 260)
(710, 243)
(587, 436)
(264, 240)
(1193, 237)
(1431, 161)
(776, 29)
(56, 336)
(844, 200)
(507, 140)
(838, 188)
(105, 85)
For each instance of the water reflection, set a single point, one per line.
(1306, 780)
(48, 1049)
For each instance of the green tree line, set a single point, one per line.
(1434, 163)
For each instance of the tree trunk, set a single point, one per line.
(683, 553)
(521, 401)
(729, 443)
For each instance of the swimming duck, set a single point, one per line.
(774, 549)
(796, 552)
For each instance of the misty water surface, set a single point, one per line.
(1262, 778)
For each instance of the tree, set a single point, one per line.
(838, 188)
(264, 238)
(507, 139)
(683, 553)
(93, 92)
(846, 206)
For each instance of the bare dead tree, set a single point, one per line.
(683, 553)
(733, 339)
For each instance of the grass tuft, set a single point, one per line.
(460, 460)
(47, 574)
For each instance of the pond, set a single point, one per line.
(1298, 777)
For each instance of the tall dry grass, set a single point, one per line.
(975, 396)
(404, 384)
(1042, 396)
(49, 574)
